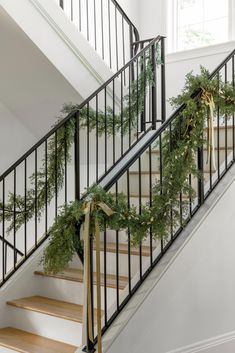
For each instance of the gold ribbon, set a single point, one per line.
(208, 100)
(87, 334)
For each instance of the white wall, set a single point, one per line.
(39, 72)
(194, 299)
(152, 18)
(45, 62)
(132, 9)
(15, 138)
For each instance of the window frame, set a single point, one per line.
(172, 28)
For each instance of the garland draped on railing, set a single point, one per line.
(184, 139)
(50, 177)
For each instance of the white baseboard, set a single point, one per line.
(204, 345)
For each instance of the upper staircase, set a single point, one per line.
(115, 138)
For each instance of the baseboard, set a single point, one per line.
(201, 346)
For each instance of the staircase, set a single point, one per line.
(49, 317)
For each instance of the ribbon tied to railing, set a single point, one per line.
(208, 100)
(85, 234)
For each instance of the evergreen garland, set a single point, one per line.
(180, 144)
(49, 179)
(179, 148)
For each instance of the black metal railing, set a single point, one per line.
(106, 26)
(77, 152)
(131, 265)
(7, 248)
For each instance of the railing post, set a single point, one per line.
(131, 53)
(89, 348)
(200, 178)
(143, 113)
(77, 171)
(154, 88)
(131, 42)
(77, 155)
(62, 4)
(163, 79)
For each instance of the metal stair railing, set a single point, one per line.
(107, 28)
(136, 178)
(86, 144)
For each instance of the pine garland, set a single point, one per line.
(180, 144)
(49, 179)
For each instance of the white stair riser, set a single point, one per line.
(122, 234)
(45, 325)
(122, 262)
(146, 164)
(70, 291)
(145, 183)
(222, 137)
(111, 263)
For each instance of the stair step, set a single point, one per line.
(25, 342)
(52, 307)
(147, 172)
(123, 249)
(76, 275)
(147, 196)
(229, 149)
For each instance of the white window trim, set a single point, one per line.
(172, 47)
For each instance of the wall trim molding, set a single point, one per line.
(192, 54)
(206, 344)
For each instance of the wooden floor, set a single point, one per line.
(76, 275)
(25, 342)
(52, 307)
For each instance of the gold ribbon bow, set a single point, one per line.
(208, 100)
(87, 334)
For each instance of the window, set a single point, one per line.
(198, 23)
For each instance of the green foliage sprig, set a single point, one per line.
(44, 183)
(132, 105)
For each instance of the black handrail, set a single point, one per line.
(113, 50)
(11, 246)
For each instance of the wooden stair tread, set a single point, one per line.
(229, 148)
(147, 196)
(123, 249)
(52, 307)
(25, 342)
(146, 172)
(76, 275)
